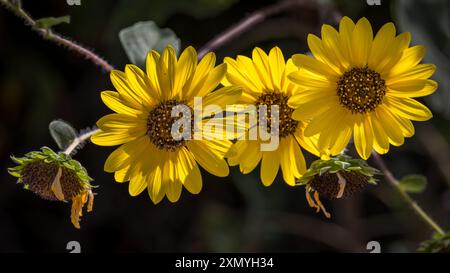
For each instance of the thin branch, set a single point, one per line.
(248, 23)
(79, 140)
(396, 184)
(57, 38)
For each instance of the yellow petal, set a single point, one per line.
(314, 66)
(277, 65)
(210, 160)
(383, 40)
(133, 125)
(173, 191)
(193, 178)
(332, 47)
(121, 157)
(112, 138)
(185, 69)
(380, 139)
(151, 68)
(291, 160)
(122, 175)
(213, 79)
(408, 108)
(309, 82)
(420, 71)
(113, 101)
(262, 67)
(390, 127)
(346, 27)
(361, 42)
(139, 82)
(410, 58)
(363, 137)
(156, 189)
(241, 72)
(252, 157)
(269, 167)
(202, 71)
(120, 82)
(224, 96)
(412, 88)
(166, 72)
(394, 54)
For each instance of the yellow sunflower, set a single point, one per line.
(264, 82)
(363, 86)
(149, 156)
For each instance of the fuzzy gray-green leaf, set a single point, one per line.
(62, 133)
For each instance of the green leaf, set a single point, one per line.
(142, 37)
(413, 183)
(439, 243)
(49, 22)
(62, 133)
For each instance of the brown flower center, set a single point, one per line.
(38, 177)
(160, 123)
(287, 125)
(361, 90)
(330, 185)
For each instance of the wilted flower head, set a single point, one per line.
(338, 177)
(56, 177)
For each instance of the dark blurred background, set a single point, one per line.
(40, 82)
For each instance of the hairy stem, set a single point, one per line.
(79, 140)
(251, 21)
(413, 204)
(48, 34)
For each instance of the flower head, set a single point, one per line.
(335, 178)
(264, 82)
(363, 86)
(56, 177)
(152, 155)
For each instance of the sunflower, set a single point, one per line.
(150, 156)
(264, 82)
(362, 86)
